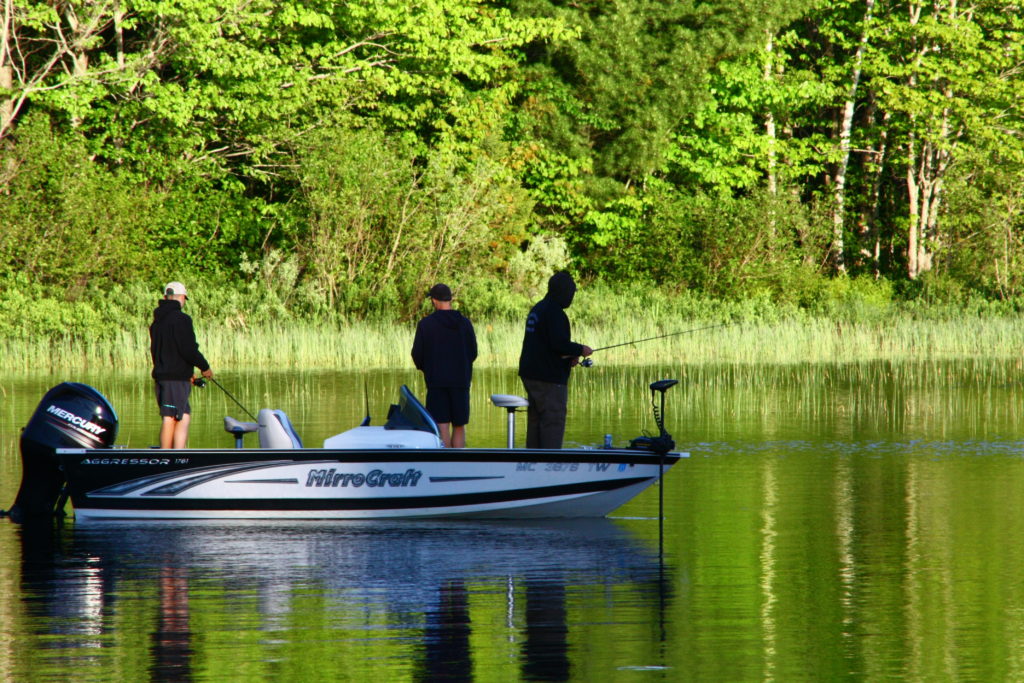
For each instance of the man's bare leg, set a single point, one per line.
(443, 428)
(167, 432)
(181, 431)
(459, 436)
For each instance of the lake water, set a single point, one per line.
(831, 523)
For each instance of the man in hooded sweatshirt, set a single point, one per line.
(547, 357)
(444, 349)
(175, 353)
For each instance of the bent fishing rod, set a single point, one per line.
(587, 362)
(228, 394)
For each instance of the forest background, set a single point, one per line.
(323, 163)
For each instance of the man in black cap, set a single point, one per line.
(175, 353)
(547, 357)
(444, 348)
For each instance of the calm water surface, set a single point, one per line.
(860, 523)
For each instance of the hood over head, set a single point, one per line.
(561, 289)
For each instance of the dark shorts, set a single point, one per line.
(448, 405)
(172, 397)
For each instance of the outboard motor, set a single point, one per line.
(71, 415)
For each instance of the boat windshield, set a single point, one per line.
(410, 414)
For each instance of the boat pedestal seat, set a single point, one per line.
(275, 430)
(510, 402)
(238, 429)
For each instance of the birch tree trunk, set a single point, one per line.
(845, 132)
(929, 159)
(913, 220)
(6, 64)
(869, 221)
(769, 123)
(118, 17)
(913, 195)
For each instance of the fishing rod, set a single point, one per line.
(228, 393)
(586, 362)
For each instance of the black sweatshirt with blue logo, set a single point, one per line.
(548, 349)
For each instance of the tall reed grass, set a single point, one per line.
(744, 347)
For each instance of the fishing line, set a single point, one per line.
(662, 336)
(586, 362)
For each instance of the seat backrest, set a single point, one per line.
(276, 431)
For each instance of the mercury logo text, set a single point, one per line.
(80, 422)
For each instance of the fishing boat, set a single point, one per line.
(398, 470)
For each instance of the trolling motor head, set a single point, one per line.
(662, 443)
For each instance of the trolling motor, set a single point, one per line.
(70, 415)
(662, 443)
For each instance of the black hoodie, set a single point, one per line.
(444, 349)
(548, 349)
(172, 343)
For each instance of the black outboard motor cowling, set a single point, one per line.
(71, 415)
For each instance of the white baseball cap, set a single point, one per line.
(175, 289)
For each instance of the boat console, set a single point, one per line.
(275, 430)
(409, 425)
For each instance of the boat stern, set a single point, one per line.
(70, 415)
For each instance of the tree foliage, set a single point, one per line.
(741, 148)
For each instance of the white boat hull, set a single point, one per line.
(320, 484)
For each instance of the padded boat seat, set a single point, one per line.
(237, 427)
(276, 431)
(509, 401)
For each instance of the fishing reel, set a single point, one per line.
(587, 362)
(198, 382)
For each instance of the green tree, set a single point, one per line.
(195, 107)
(599, 113)
(382, 226)
(949, 77)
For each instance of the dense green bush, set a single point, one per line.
(73, 223)
(760, 245)
(380, 223)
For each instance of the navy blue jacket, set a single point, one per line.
(172, 343)
(444, 348)
(548, 349)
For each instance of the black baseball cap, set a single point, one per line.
(441, 292)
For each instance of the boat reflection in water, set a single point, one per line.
(424, 578)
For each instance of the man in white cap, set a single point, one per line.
(172, 344)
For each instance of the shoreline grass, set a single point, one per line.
(380, 345)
